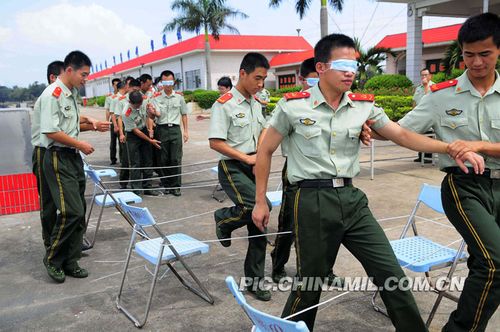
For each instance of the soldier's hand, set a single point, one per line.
(155, 143)
(151, 133)
(102, 126)
(122, 138)
(185, 136)
(474, 159)
(366, 131)
(151, 110)
(85, 147)
(251, 160)
(458, 148)
(116, 129)
(260, 215)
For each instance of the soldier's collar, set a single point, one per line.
(464, 84)
(346, 100)
(238, 97)
(317, 97)
(67, 92)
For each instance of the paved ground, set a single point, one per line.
(29, 300)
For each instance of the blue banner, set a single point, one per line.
(152, 45)
(114, 60)
(164, 40)
(106, 64)
(179, 36)
(128, 54)
(136, 51)
(121, 57)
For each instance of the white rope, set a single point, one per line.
(158, 177)
(185, 218)
(316, 305)
(157, 167)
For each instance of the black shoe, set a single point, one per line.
(222, 236)
(167, 192)
(260, 294)
(56, 273)
(152, 192)
(334, 280)
(278, 275)
(417, 160)
(86, 246)
(113, 163)
(176, 192)
(76, 272)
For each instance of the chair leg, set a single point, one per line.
(98, 221)
(376, 307)
(92, 201)
(202, 291)
(218, 188)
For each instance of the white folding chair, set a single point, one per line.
(263, 322)
(106, 199)
(217, 187)
(163, 250)
(420, 254)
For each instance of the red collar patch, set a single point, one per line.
(443, 85)
(296, 95)
(361, 97)
(57, 92)
(225, 97)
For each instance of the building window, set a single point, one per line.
(287, 81)
(193, 79)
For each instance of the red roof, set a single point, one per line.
(287, 59)
(429, 36)
(225, 42)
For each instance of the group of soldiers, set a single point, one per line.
(147, 122)
(320, 130)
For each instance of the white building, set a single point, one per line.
(187, 60)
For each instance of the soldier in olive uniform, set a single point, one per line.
(138, 143)
(63, 166)
(235, 129)
(468, 109)
(323, 126)
(171, 112)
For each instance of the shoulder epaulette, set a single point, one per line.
(57, 92)
(225, 97)
(296, 95)
(443, 85)
(361, 97)
(157, 94)
(128, 112)
(109, 94)
(113, 96)
(179, 93)
(123, 97)
(144, 97)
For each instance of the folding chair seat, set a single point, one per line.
(275, 197)
(163, 250)
(419, 254)
(263, 322)
(106, 199)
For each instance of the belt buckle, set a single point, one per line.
(170, 124)
(495, 174)
(338, 182)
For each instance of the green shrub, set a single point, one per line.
(408, 91)
(441, 76)
(388, 82)
(187, 92)
(395, 106)
(270, 107)
(204, 98)
(274, 99)
(101, 100)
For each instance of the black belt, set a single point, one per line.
(168, 125)
(489, 173)
(63, 149)
(325, 183)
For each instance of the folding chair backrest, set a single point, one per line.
(264, 322)
(140, 215)
(94, 176)
(431, 196)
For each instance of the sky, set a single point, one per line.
(35, 33)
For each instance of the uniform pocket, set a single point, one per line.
(241, 130)
(308, 140)
(495, 124)
(454, 123)
(352, 143)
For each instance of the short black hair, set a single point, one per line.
(157, 80)
(54, 68)
(307, 67)
(145, 77)
(253, 60)
(115, 80)
(128, 79)
(135, 97)
(167, 73)
(120, 85)
(480, 27)
(76, 60)
(327, 44)
(424, 69)
(134, 83)
(225, 81)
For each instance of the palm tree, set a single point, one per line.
(301, 7)
(369, 61)
(209, 16)
(452, 57)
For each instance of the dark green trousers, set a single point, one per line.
(112, 143)
(125, 163)
(140, 155)
(283, 242)
(472, 204)
(48, 210)
(170, 155)
(66, 180)
(238, 181)
(324, 218)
